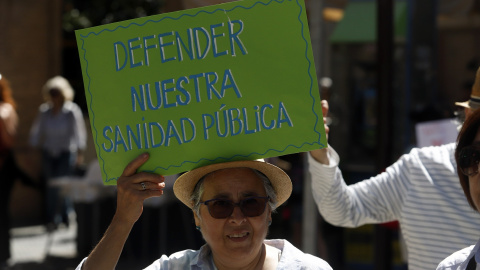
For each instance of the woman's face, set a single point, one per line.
(236, 238)
(56, 97)
(474, 181)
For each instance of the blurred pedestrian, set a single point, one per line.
(9, 171)
(59, 131)
(420, 190)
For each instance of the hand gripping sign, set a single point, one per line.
(227, 82)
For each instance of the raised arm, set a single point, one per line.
(130, 197)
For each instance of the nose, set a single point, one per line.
(237, 215)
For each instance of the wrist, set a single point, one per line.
(320, 155)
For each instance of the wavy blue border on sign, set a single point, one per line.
(218, 159)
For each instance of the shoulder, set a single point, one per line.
(456, 259)
(434, 151)
(6, 110)
(71, 106)
(442, 154)
(293, 258)
(177, 260)
(5, 106)
(44, 107)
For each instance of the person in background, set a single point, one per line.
(420, 190)
(9, 171)
(467, 156)
(232, 205)
(59, 131)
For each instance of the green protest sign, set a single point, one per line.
(221, 83)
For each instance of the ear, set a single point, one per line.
(196, 217)
(269, 215)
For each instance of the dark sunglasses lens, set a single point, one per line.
(253, 207)
(250, 207)
(468, 161)
(54, 92)
(220, 208)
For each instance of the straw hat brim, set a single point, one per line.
(185, 184)
(474, 101)
(465, 104)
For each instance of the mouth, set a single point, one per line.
(238, 236)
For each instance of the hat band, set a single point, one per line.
(474, 102)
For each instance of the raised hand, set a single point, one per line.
(321, 154)
(325, 114)
(134, 188)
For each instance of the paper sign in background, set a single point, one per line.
(221, 83)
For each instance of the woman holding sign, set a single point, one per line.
(232, 204)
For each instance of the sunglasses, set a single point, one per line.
(250, 207)
(54, 92)
(469, 160)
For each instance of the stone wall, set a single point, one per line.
(30, 53)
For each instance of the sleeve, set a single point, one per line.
(36, 130)
(160, 264)
(79, 267)
(375, 200)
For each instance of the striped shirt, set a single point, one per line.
(421, 190)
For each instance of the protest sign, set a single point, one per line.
(221, 83)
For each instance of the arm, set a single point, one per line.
(8, 124)
(130, 197)
(37, 126)
(375, 200)
(80, 132)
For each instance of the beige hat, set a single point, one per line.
(474, 101)
(185, 184)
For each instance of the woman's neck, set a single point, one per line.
(56, 108)
(267, 259)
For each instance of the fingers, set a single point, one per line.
(142, 185)
(156, 183)
(324, 107)
(133, 166)
(133, 188)
(137, 183)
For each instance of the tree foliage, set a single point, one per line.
(85, 13)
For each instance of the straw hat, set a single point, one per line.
(185, 184)
(474, 101)
(61, 84)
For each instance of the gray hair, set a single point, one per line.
(199, 189)
(61, 84)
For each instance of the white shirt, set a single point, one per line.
(291, 258)
(459, 260)
(64, 131)
(421, 190)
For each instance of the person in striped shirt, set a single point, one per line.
(467, 156)
(420, 190)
